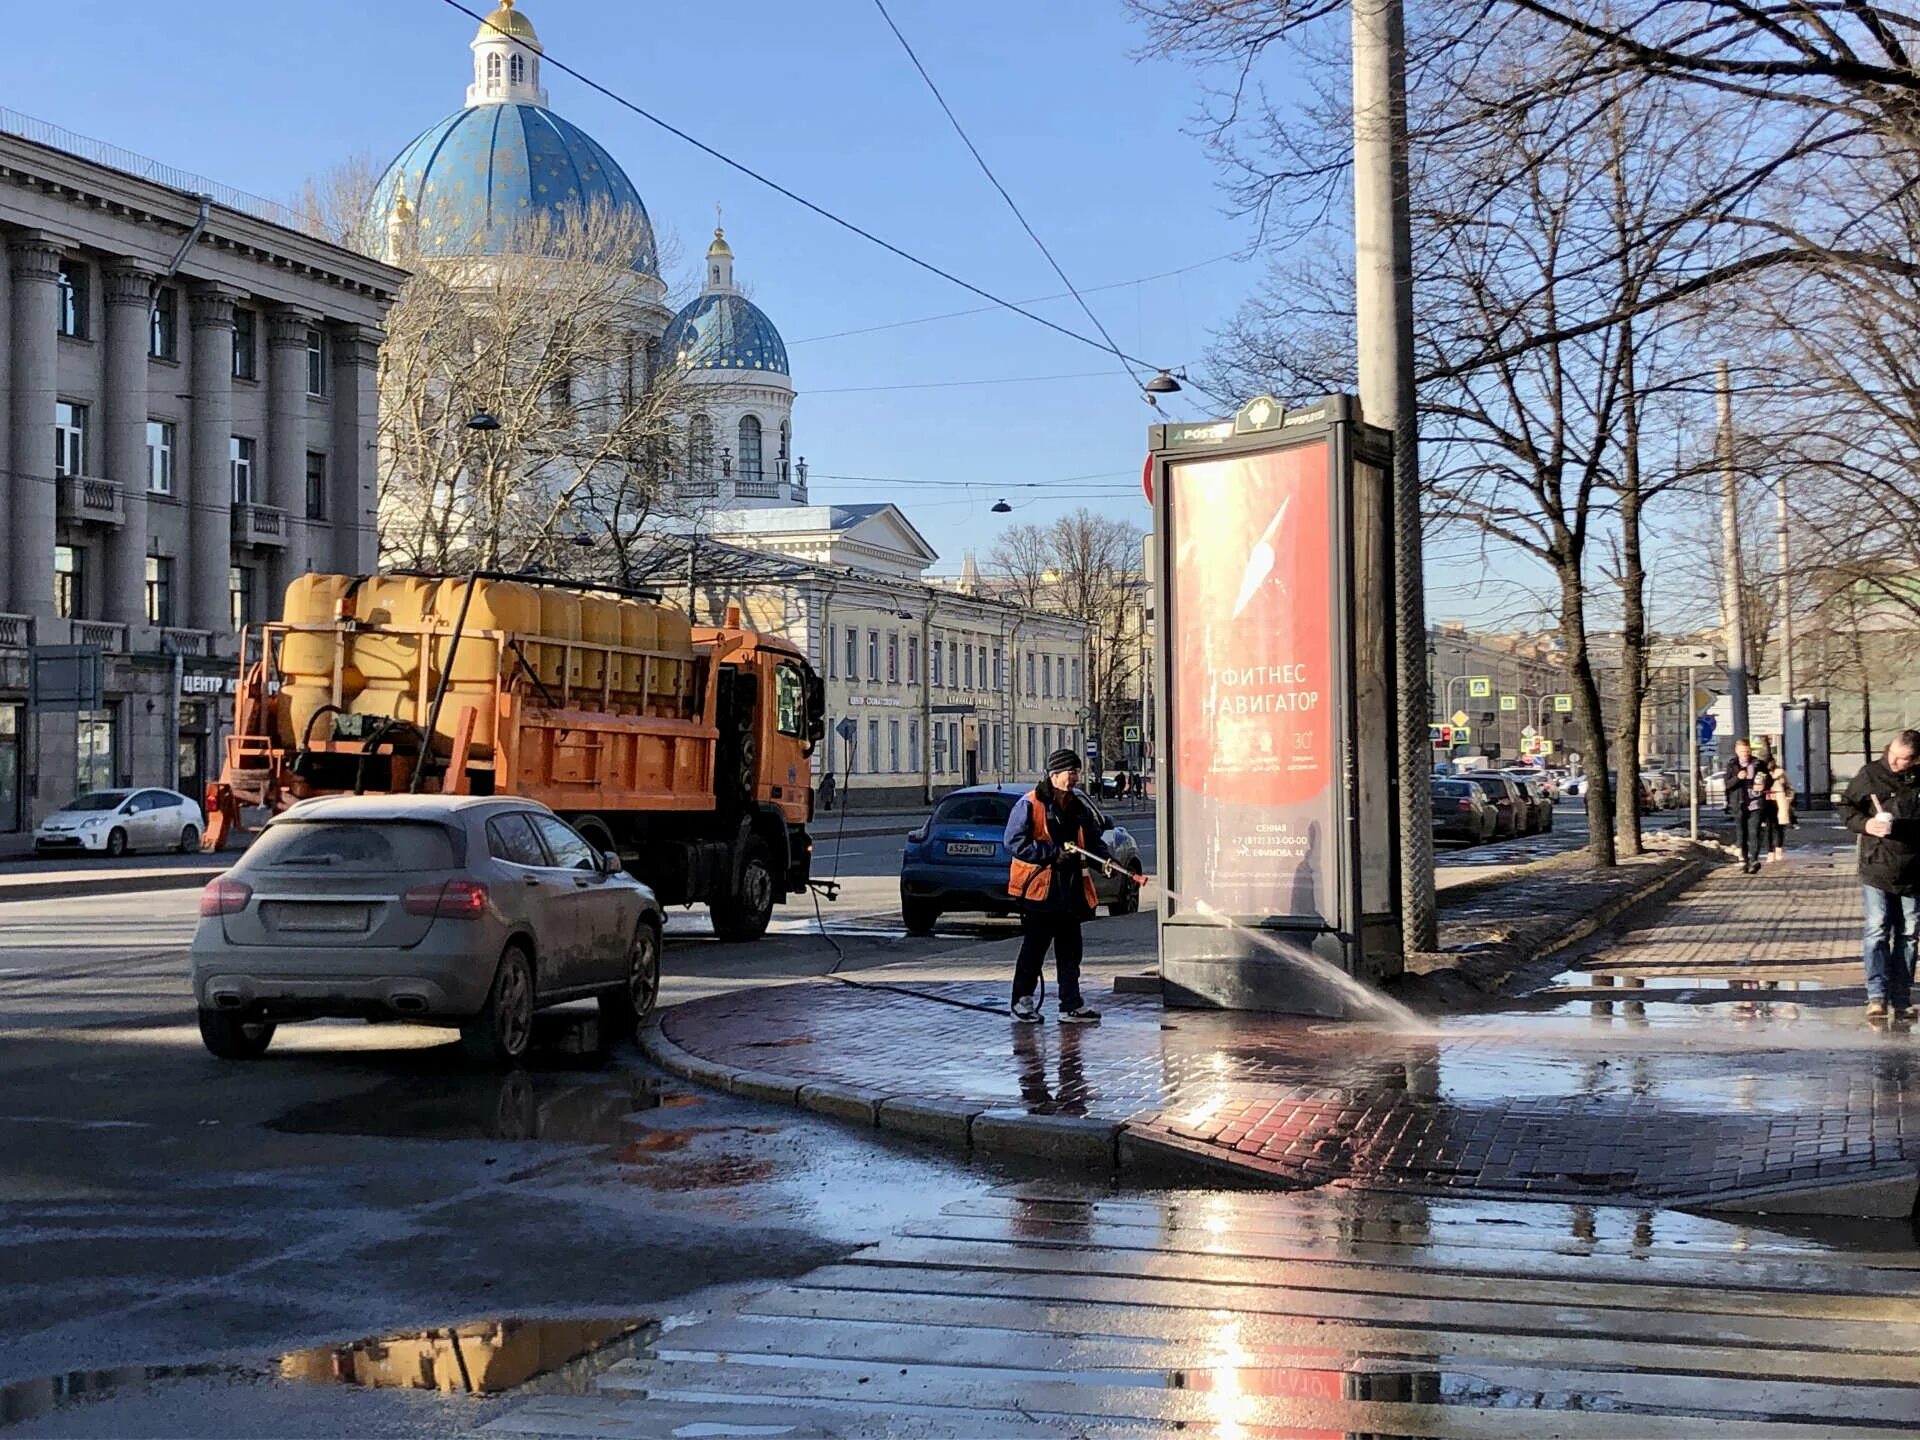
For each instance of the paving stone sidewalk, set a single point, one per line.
(1717, 1056)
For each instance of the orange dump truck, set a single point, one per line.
(686, 749)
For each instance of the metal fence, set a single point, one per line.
(57, 137)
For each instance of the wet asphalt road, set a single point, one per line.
(159, 1208)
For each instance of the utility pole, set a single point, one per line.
(1383, 295)
(1732, 620)
(1786, 588)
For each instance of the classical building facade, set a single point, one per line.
(187, 400)
(929, 687)
(1523, 673)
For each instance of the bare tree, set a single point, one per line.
(1086, 566)
(548, 341)
(333, 205)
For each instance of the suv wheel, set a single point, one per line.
(234, 1035)
(500, 1034)
(625, 1009)
(919, 915)
(744, 914)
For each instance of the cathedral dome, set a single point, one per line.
(482, 171)
(721, 329)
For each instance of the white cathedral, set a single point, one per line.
(466, 185)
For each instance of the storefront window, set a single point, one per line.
(9, 768)
(193, 747)
(93, 769)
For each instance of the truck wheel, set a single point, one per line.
(232, 1036)
(744, 914)
(499, 1035)
(919, 915)
(624, 1010)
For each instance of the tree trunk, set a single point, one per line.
(1586, 714)
(1633, 628)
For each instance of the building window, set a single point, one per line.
(999, 670)
(1030, 677)
(316, 485)
(246, 344)
(1046, 677)
(517, 69)
(163, 335)
(69, 582)
(159, 590)
(240, 463)
(160, 457)
(893, 657)
(893, 746)
(69, 439)
(853, 750)
(94, 767)
(873, 655)
(913, 659)
(240, 595)
(953, 747)
(71, 299)
(873, 746)
(783, 470)
(1046, 740)
(750, 467)
(700, 450)
(969, 671)
(1076, 677)
(493, 73)
(1033, 761)
(316, 362)
(1060, 675)
(913, 745)
(933, 656)
(853, 653)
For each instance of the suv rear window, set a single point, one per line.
(1455, 788)
(355, 845)
(974, 810)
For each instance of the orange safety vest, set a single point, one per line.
(1027, 881)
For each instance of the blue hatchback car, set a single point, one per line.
(957, 861)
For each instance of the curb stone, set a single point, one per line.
(655, 1045)
(1049, 1137)
(763, 1085)
(948, 1121)
(842, 1102)
(1885, 1192)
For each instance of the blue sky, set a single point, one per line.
(1091, 141)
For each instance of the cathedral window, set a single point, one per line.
(750, 469)
(700, 450)
(517, 69)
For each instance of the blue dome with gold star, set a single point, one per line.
(471, 180)
(723, 330)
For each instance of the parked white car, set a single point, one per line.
(114, 822)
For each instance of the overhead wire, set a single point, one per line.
(994, 180)
(548, 57)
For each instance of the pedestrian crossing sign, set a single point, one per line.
(1509, 702)
(1563, 704)
(1479, 687)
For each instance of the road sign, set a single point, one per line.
(847, 729)
(1131, 734)
(1509, 702)
(1093, 746)
(1527, 732)
(1462, 734)
(1563, 704)
(1763, 714)
(1459, 718)
(1479, 687)
(1705, 725)
(1439, 735)
(1681, 657)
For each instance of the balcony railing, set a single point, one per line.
(259, 525)
(184, 642)
(85, 497)
(101, 633)
(16, 632)
(759, 489)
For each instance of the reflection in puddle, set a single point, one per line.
(521, 1105)
(481, 1358)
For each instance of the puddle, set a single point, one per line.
(482, 1357)
(1620, 980)
(522, 1105)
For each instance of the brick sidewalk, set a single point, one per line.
(1667, 1093)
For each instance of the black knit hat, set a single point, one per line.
(1063, 760)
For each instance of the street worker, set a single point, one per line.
(1882, 807)
(1748, 779)
(1053, 886)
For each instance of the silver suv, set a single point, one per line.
(452, 910)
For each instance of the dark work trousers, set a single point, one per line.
(1753, 834)
(1039, 929)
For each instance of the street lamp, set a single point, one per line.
(480, 420)
(1162, 384)
(1001, 507)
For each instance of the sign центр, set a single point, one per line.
(1254, 767)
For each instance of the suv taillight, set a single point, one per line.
(1466, 803)
(225, 897)
(455, 900)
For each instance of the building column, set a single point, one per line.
(33, 264)
(129, 294)
(287, 445)
(209, 475)
(353, 462)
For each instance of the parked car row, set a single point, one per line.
(1489, 805)
(118, 822)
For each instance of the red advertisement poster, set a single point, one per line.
(1254, 694)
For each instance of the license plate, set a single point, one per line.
(964, 847)
(334, 918)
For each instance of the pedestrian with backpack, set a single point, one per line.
(1053, 887)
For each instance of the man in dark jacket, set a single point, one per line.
(1053, 887)
(1747, 781)
(1882, 807)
